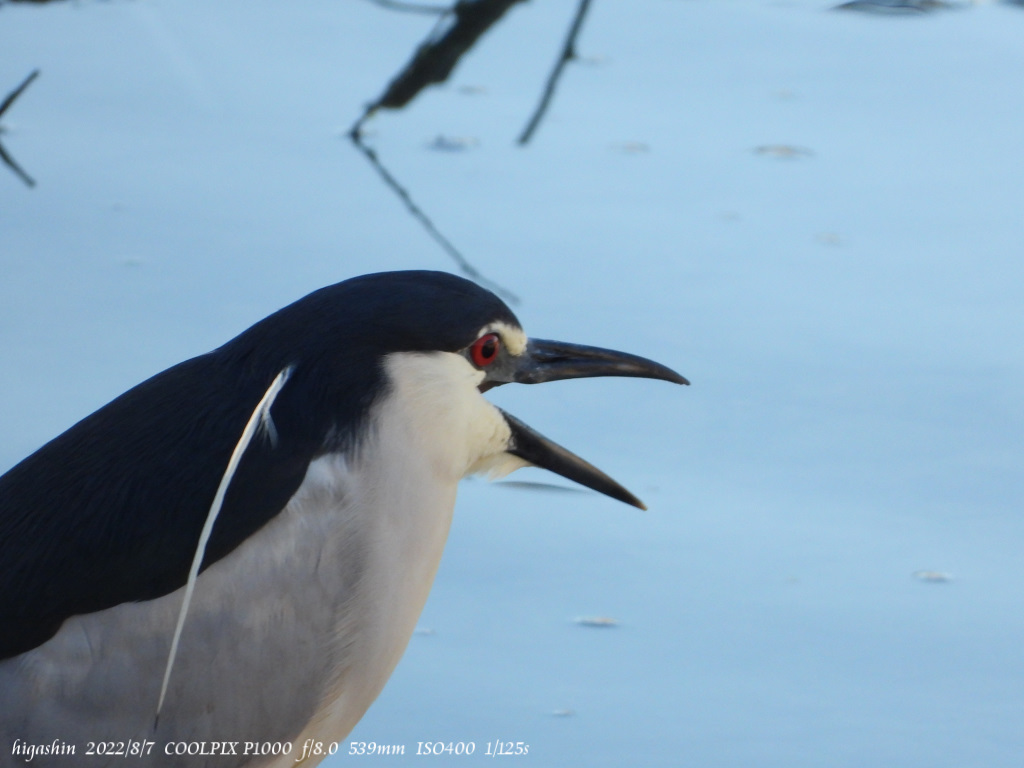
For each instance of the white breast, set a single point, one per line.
(431, 430)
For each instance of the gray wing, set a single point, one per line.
(257, 650)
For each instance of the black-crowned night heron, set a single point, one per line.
(237, 550)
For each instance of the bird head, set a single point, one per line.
(428, 345)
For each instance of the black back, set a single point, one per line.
(111, 510)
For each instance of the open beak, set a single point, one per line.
(554, 360)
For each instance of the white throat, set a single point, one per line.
(436, 411)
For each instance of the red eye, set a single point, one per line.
(485, 350)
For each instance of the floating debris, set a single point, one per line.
(563, 713)
(894, 7)
(601, 622)
(933, 577)
(829, 238)
(443, 143)
(632, 147)
(472, 90)
(424, 631)
(783, 151)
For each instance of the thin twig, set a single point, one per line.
(9, 162)
(417, 213)
(568, 54)
(7, 102)
(17, 92)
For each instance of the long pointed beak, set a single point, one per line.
(532, 446)
(546, 360)
(555, 360)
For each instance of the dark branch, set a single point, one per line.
(456, 32)
(436, 57)
(6, 158)
(417, 213)
(9, 162)
(17, 92)
(568, 54)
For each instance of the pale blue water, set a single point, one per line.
(850, 316)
